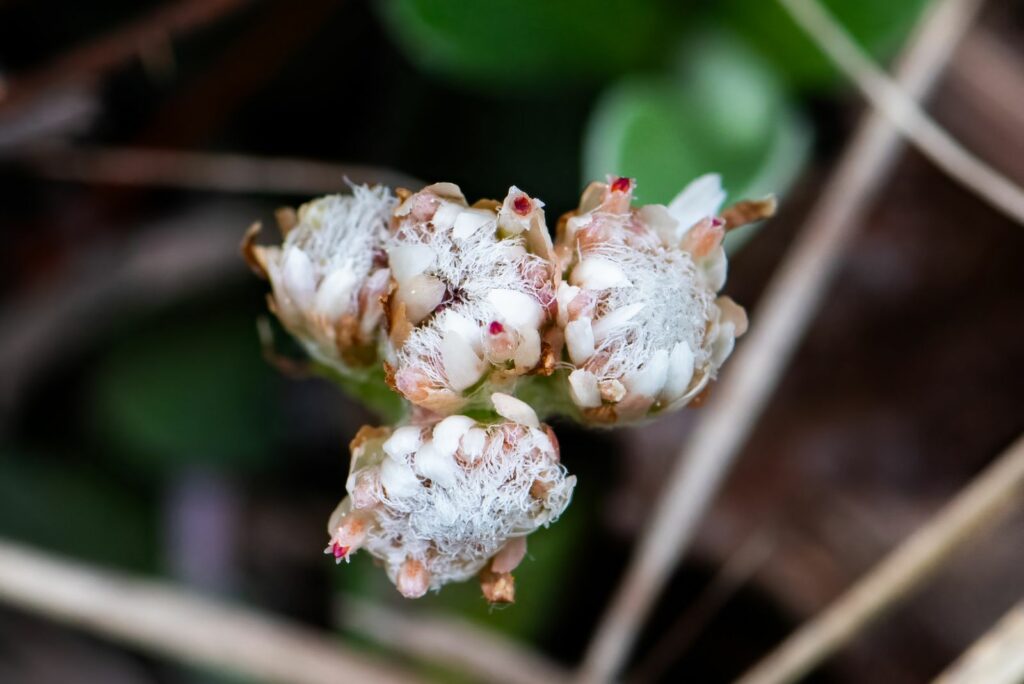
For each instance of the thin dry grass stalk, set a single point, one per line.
(996, 658)
(904, 112)
(93, 59)
(174, 622)
(451, 641)
(982, 503)
(209, 171)
(789, 305)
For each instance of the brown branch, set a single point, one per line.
(982, 503)
(790, 302)
(179, 624)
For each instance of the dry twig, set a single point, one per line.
(211, 171)
(904, 112)
(987, 499)
(452, 642)
(111, 50)
(996, 658)
(174, 622)
(789, 304)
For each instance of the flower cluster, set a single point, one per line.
(467, 307)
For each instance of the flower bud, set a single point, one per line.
(644, 329)
(451, 498)
(329, 275)
(473, 295)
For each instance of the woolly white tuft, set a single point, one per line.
(449, 511)
(328, 276)
(643, 328)
(484, 325)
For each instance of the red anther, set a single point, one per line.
(522, 205)
(622, 184)
(339, 550)
(717, 222)
(496, 328)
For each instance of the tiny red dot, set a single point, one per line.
(622, 184)
(496, 328)
(716, 221)
(521, 205)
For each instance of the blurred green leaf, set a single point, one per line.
(187, 392)
(880, 26)
(77, 510)
(500, 43)
(725, 112)
(371, 390)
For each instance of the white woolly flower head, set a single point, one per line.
(446, 500)
(330, 273)
(644, 331)
(473, 296)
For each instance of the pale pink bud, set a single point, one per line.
(413, 579)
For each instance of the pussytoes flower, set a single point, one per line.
(445, 500)
(329, 275)
(644, 329)
(473, 296)
(465, 306)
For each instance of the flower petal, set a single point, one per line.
(597, 273)
(515, 410)
(421, 295)
(299, 277)
(334, 295)
(398, 479)
(403, 441)
(609, 323)
(471, 220)
(583, 389)
(410, 260)
(579, 337)
(518, 309)
(649, 380)
(680, 371)
(438, 467)
(461, 364)
(698, 200)
(528, 352)
(448, 433)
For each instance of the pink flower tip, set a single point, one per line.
(622, 184)
(339, 552)
(522, 205)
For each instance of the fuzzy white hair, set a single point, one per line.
(449, 496)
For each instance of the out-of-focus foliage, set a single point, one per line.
(76, 509)
(185, 393)
(522, 43)
(497, 43)
(880, 26)
(724, 111)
